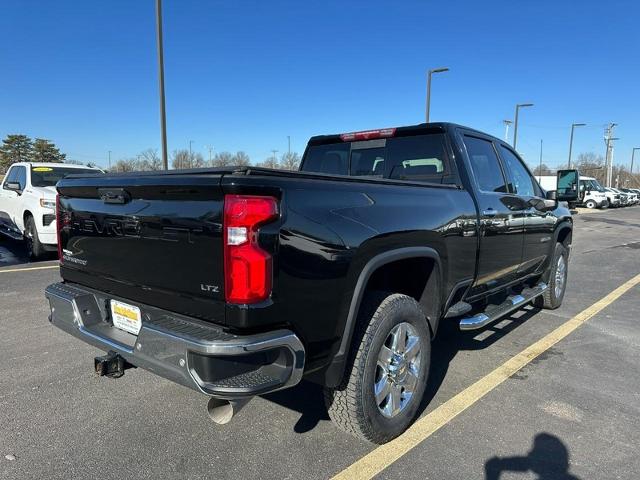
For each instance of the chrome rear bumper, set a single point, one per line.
(184, 350)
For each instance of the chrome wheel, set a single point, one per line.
(398, 370)
(561, 275)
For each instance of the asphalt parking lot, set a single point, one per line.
(571, 412)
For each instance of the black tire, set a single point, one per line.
(35, 249)
(353, 406)
(552, 297)
(590, 204)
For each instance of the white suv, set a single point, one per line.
(28, 201)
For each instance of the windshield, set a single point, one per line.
(49, 176)
(592, 185)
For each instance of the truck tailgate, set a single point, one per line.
(153, 239)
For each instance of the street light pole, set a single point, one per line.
(190, 155)
(633, 154)
(515, 125)
(110, 160)
(289, 141)
(540, 168)
(506, 129)
(573, 126)
(163, 116)
(429, 74)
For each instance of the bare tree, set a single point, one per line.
(125, 165)
(270, 162)
(542, 170)
(184, 159)
(241, 159)
(149, 160)
(290, 161)
(592, 165)
(222, 159)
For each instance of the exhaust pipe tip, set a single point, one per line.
(222, 411)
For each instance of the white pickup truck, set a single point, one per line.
(28, 203)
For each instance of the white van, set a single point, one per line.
(595, 195)
(592, 193)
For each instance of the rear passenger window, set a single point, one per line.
(331, 159)
(485, 165)
(419, 158)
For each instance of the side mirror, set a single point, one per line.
(549, 203)
(567, 186)
(14, 186)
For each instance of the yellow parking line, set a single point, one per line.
(384, 455)
(27, 269)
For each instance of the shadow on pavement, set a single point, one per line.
(450, 341)
(307, 398)
(13, 252)
(548, 458)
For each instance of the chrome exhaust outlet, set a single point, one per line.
(222, 411)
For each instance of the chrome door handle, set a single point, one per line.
(489, 212)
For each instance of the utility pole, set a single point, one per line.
(190, 155)
(275, 159)
(573, 126)
(515, 125)
(163, 116)
(429, 74)
(633, 154)
(540, 167)
(506, 129)
(110, 161)
(210, 148)
(289, 141)
(608, 158)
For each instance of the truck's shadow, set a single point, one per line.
(307, 398)
(450, 341)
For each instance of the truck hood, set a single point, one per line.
(47, 192)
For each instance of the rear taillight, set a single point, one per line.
(368, 135)
(247, 267)
(59, 226)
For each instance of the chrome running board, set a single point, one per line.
(495, 312)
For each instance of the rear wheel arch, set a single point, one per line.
(376, 269)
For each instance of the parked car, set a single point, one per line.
(28, 203)
(613, 197)
(625, 198)
(239, 281)
(633, 195)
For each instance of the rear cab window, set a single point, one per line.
(485, 165)
(416, 158)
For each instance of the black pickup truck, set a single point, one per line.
(236, 282)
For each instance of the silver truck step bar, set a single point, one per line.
(495, 312)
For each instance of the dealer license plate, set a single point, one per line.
(126, 317)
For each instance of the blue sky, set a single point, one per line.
(243, 75)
